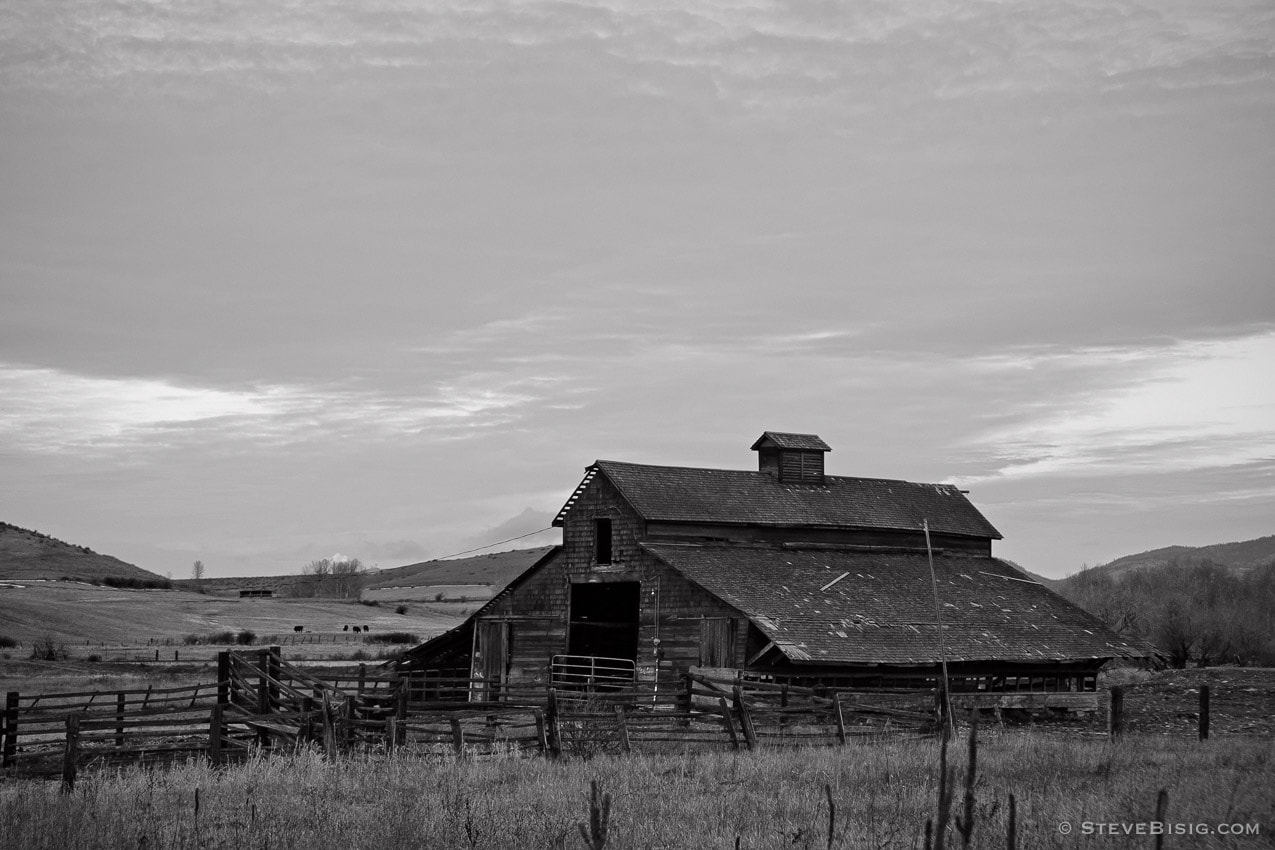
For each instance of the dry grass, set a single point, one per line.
(883, 794)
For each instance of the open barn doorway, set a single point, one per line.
(604, 620)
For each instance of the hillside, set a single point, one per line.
(1241, 556)
(28, 555)
(496, 569)
(77, 613)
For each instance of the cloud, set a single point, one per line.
(763, 55)
(1179, 406)
(49, 410)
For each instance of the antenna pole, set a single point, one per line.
(938, 621)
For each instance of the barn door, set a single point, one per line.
(717, 642)
(491, 659)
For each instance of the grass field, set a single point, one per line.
(883, 794)
(82, 614)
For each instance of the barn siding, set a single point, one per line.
(670, 606)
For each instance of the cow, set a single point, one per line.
(298, 629)
(345, 628)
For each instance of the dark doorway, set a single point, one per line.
(604, 620)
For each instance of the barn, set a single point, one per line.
(780, 573)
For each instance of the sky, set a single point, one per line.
(282, 280)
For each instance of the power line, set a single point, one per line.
(497, 543)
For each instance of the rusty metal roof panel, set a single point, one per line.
(881, 609)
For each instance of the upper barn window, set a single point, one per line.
(602, 540)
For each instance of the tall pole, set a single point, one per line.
(938, 622)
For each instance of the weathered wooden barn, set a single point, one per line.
(782, 573)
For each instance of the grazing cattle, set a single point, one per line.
(357, 630)
(298, 629)
(367, 628)
(345, 628)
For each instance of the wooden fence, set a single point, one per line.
(260, 703)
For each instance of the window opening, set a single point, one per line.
(602, 540)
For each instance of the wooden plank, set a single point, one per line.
(728, 724)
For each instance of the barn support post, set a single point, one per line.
(391, 733)
(745, 718)
(1115, 714)
(1204, 712)
(214, 734)
(70, 753)
(10, 748)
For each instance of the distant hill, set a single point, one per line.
(496, 569)
(1241, 557)
(28, 555)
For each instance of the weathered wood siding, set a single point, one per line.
(670, 609)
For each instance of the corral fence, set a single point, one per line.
(261, 703)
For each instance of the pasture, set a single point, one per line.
(881, 795)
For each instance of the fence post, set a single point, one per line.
(555, 729)
(839, 716)
(214, 734)
(458, 736)
(329, 732)
(542, 735)
(745, 719)
(70, 753)
(728, 723)
(10, 728)
(223, 677)
(1204, 712)
(623, 725)
(119, 719)
(391, 733)
(274, 669)
(1115, 715)
(362, 677)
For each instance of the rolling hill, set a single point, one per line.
(29, 555)
(1241, 556)
(496, 569)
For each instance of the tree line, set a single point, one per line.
(1196, 612)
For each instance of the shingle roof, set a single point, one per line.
(804, 442)
(685, 494)
(837, 606)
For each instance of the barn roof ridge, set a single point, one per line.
(752, 497)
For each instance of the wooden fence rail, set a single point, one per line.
(260, 703)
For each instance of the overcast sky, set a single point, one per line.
(286, 280)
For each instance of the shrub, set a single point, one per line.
(7, 642)
(401, 609)
(371, 603)
(94, 658)
(246, 637)
(48, 649)
(190, 640)
(220, 637)
(438, 597)
(359, 655)
(137, 583)
(394, 637)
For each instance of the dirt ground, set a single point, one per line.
(1241, 701)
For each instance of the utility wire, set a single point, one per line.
(497, 543)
